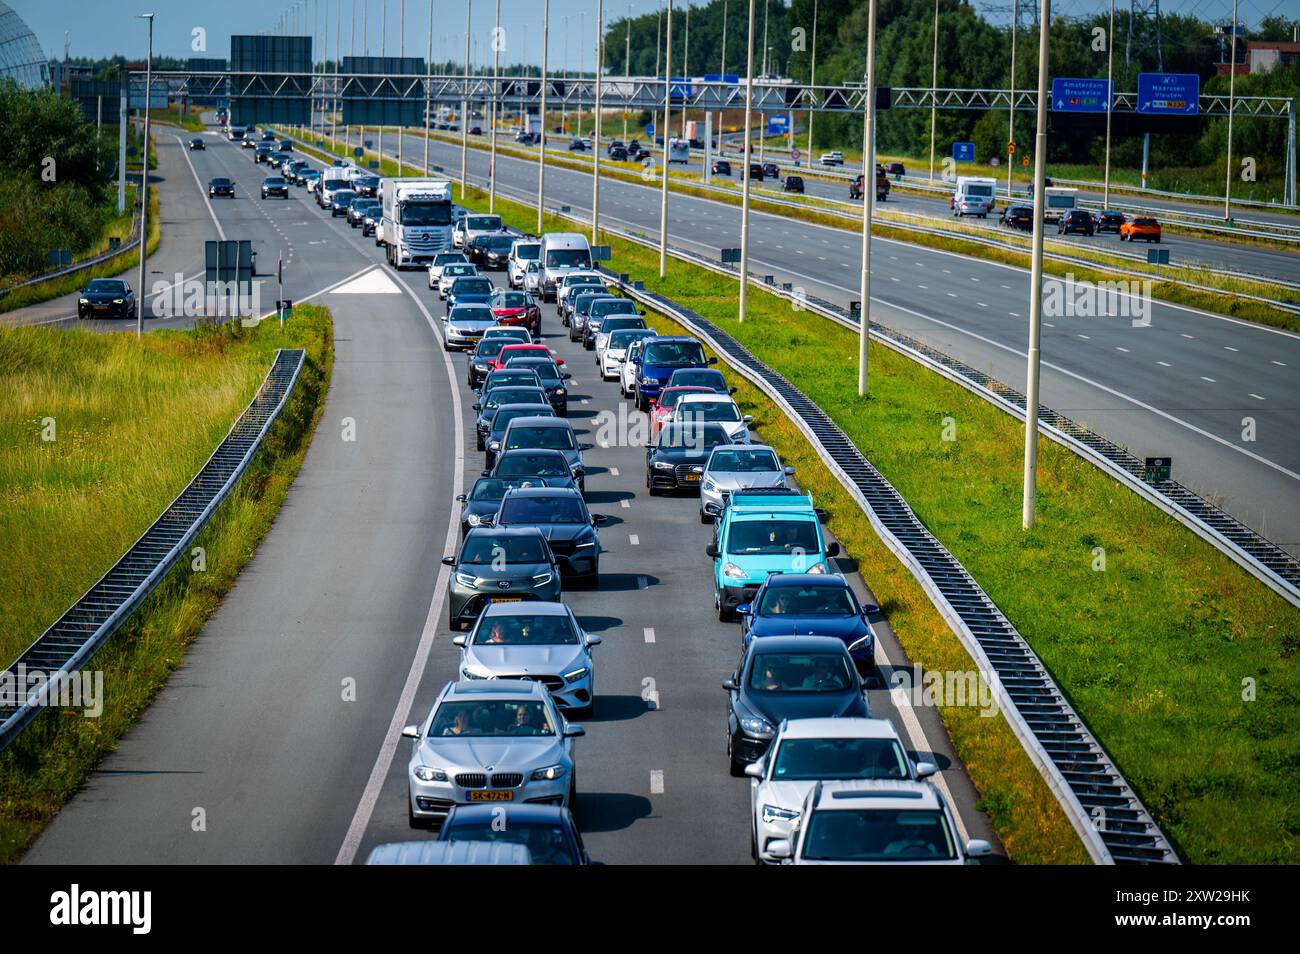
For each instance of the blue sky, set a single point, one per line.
(105, 27)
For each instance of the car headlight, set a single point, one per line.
(710, 486)
(866, 642)
(427, 773)
(117, 301)
(84, 301)
(662, 465)
(548, 774)
(576, 674)
(494, 445)
(465, 579)
(560, 392)
(585, 543)
(775, 813)
(541, 579)
(471, 673)
(733, 572)
(818, 568)
(756, 726)
(649, 382)
(473, 520)
(576, 470)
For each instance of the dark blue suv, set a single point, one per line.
(811, 604)
(660, 357)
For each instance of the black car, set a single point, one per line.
(485, 351)
(107, 298)
(676, 460)
(1019, 217)
(268, 136)
(476, 130)
(577, 145)
(756, 171)
(577, 308)
(1109, 221)
(618, 153)
(285, 145)
(562, 516)
(275, 185)
(340, 202)
(198, 144)
(221, 187)
(771, 171)
(492, 250)
(294, 172)
(531, 463)
(721, 167)
(480, 505)
(513, 377)
(896, 169)
(501, 418)
(359, 209)
(1076, 220)
(788, 677)
(792, 184)
(504, 394)
(552, 379)
(262, 153)
(548, 831)
(710, 378)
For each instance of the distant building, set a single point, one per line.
(1265, 54)
(21, 58)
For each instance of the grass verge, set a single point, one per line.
(135, 420)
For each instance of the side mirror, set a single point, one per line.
(566, 375)
(729, 684)
(641, 313)
(731, 390)
(485, 473)
(711, 551)
(977, 848)
(478, 407)
(586, 447)
(713, 361)
(789, 471)
(461, 498)
(594, 641)
(754, 769)
(573, 731)
(458, 640)
(870, 608)
(411, 731)
(449, 561)
(832, 549)
(748, 419)
(925, 769)
(745, 609)
(598, 519)
(779, 848)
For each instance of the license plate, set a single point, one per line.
(485, 796)
(691, 478)
(504, 599)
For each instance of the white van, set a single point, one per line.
(974, 196)
(561, 252)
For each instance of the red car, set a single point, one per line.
(531, 350)
(661, 411)
(516, 308)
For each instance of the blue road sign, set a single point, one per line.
(1177, 94)
(732, 78)
(963, 152)
(650, 130)
(1080, 95)
(778, 125)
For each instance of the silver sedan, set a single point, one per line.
(735, 467)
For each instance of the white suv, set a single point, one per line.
(524, 250)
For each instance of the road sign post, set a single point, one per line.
(963, 152)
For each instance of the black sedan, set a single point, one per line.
(198, 145)
(552, 379)
(792, 184)
(533, 464)
(221, 186)
(504, 394)
(618, 153)
(577, 145)
(721, 167)
(756, 171)
(569, 527)
(501, 419)
(548, 831)
(1076, 220)
(340, 201)
(106, 298)
(480, 505)
(275, 185)
(771, 171)
(1019, 217)
(492, 250)
(788, 677)
(676, 460)
(1110, 221)
(359, 209)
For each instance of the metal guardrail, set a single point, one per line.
(1108, 816)
(82, 630)
(132, 241)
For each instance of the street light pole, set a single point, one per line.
(541, 147)
(464, 105)
(627, 66)
(868, 198)
(401, 53)
(1232, 92)
(1011, 104)
(144, 181)
(595, 134)
(934, 96)
(496, 73)
(812, 81)
(383, 50)
(428, 83)
(745, 176)
(1110, 99)
(663, 173)
(762, 131)
(686, 62)
(1036, 276)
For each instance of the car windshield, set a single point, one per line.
(498, 396)
(873, 834)
(524, 376)
(771, 537)
(426, 213)
(501, 243)
(482, 549)
(624, 337)
(542, 509)
(482, 222)
(532, 465)
(490, 488)
(471, 286)
(693, 436)
(672, 395)
(529, 252)
(700, 378)
(708, 411)
(479, 313)
(743, 461)
(807, 760)
(491, 717)
(800, 672)
(546, 438)
(526, 629)
(674, 354)
(506, 414)
(344, 196)
(808, 601)
(547, 842)
(511, 299)
(614, 306)
(578, 281)
(106, 286)
(459, 268)
(1144, 221)
(568, 258)
(448, 258)
(221, 182)
(488, 347)
(546, 370)
(275, 181)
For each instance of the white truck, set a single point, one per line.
(561, 253)
(415, 223)
(975, 195)
(1057, 200)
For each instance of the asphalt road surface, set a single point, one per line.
(277, 739)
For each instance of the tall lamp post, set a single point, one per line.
(663, 173)
(595, 133)
(464, 106)
(1036, 277)
(496, 73)
(745, 176)
(934, 96)
(541, 117)
(1232, 95)
(144, 180)
(868, 198)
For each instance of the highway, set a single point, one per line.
(279, 735)
(1188, 386)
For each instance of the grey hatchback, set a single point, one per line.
(499, 565)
